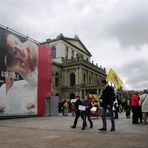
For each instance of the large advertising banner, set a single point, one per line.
(24, 80)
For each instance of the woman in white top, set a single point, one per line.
(144, 103)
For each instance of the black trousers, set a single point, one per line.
(135, 111)
(78, 114)
(140, 116)
(87, 115)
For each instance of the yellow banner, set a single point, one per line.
(114, 78)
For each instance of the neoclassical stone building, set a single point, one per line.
(72, 71)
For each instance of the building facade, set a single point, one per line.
(72, 71)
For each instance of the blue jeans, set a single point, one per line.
(104, 117)
(65, 112)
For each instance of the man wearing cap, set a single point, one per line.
(107, 98)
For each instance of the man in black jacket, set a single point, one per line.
(78, 113)
(107, 98)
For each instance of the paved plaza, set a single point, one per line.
(55, 132)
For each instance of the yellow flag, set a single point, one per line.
(114, 78)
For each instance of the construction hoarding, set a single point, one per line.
(25, 74)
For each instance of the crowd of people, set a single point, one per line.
(139, 107)
(90, 106)
(106, 105)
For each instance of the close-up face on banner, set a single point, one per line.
(19, 58)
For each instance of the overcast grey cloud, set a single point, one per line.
(130, 23)
(114, 31)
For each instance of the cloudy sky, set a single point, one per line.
(114, 31)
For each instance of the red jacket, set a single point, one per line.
(134, 100)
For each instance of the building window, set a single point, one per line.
(56, 80)
(72, 79)
(94, 80)
(84, 78)
(53, 52)
(57, 94)
(81, 56)
(89, 79)
(72, 54)
(66, 53)
(78, 55)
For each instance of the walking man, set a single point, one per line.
(107, 98)
(78, 113)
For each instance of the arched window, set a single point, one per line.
(53, 52)
(72, 79)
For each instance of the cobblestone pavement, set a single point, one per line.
(55, 132)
